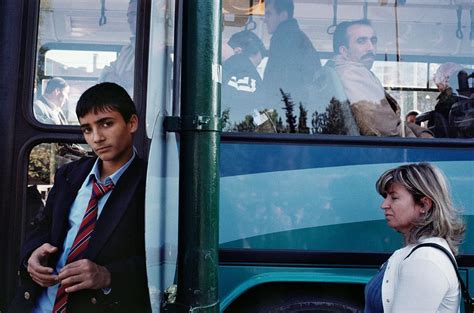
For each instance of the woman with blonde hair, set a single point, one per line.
(417, 204)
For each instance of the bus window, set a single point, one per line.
(43, 161)
(78, 46)
(310, 79)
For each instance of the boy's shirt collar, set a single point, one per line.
(113, 177)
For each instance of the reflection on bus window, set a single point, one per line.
(371, 76)
(121, 70)
(161, 59)
(96, 45)
(48, 107)
(44, 160)
(161, 197)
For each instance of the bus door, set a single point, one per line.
(67, 47)
(161, 202)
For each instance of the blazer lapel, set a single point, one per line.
(115, 207)
(68, 185)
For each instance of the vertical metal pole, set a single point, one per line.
(199, 158)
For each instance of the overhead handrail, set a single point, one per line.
(332, 28)
(471, 34)
(250, 25)
(366, 9)
(459, 33)
(103, 18)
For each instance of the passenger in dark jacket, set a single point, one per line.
(87, 251)
(292, 60)
(242, 90)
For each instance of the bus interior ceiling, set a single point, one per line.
(79, 21)
(425, 27)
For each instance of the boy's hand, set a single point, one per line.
(84, 274)
(41, 274)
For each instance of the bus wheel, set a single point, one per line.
(300, 304)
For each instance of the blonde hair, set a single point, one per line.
(426, 180)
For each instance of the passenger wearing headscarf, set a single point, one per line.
(445, 79)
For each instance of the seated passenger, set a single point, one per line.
(410, 117)
(48, 108)
(292, 58)
(446, 80)
(121, 71)
(461, 115)
(375, 111)
(241, 84)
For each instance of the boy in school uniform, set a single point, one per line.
(87, 253)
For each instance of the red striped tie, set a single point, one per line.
(81, 241)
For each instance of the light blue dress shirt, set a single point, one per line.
(45, 301)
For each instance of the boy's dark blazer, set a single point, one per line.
(117, 242)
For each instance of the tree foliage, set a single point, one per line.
(289, 108)
(39, 164)
(302, 126)
(331, 121)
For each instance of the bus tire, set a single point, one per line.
(300, 304)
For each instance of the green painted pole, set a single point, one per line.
(199, 158)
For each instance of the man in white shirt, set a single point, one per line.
(121, 71)
(48, 107)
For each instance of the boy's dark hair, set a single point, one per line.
(282, 5)
(340, 34)
(249, 42)
(104, 97)
(55, 83)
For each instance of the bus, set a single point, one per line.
(267, 210)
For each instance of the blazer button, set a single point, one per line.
(93, 300)
(18, 273)
(27, 295)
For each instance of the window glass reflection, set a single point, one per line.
(43, 161)
(349, 78)
(81, 43)
(161, 59)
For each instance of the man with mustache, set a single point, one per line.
(375, 111)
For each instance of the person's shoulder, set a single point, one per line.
(238, 65)
(235, 62)
(293, 32)
(38, 102)
(85, 162)
(40, 106)
(142, 162)
(138, 165)
(434, 259)
(432, 254)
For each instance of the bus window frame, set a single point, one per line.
(286, 256)
(39, 74)
(140, 74)
(428, 60)
(40, 70)
(344, 140)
